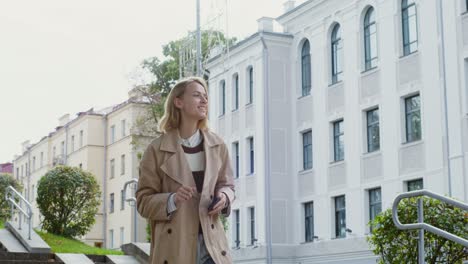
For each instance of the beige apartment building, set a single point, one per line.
(98, 141)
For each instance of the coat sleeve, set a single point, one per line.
(225, 182)
(151, 201)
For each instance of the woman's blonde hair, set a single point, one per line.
(172, 117)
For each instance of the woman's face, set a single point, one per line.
(194, 102)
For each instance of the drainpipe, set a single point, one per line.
(104, 185)
(440, 35)
(267, 149)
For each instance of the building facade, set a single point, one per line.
(327, 121)
(99, 142)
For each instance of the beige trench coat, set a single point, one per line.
(163, 170)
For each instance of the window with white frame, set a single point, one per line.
(222, 98)
(124, 127)
(307, 150)
(122, 164)
(336, 54)
(375, 204)
(414, 185)
(34, 163)
(235, 90)
(112, 168)
(306, 69)
(251, 155)
(373, 130)
(252, 225)
(81, 138)
(122, 235)
(409, 26)
(72, 143)
(250, 85)
(370, 39)
(338, 140)
(236, 231)
(122, 200)
(111, 204)
(112, 134)
(413, 118)
(309, 221)
(235, 154)
(340, 217)
(111, 238)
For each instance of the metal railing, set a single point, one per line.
(423, 226)
(12, 196)
(132, 202)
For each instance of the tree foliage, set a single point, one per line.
(6, 179)
(401, 246)
(165, 74)
(68, 198)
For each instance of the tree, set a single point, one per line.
(401, 246)
(68, 198)
(6, 180)
(165, 74)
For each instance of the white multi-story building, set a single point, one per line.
(99, 142)
(327, 121)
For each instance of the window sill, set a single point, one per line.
(370, 71)
(331, 85)
(221, 116)
(412, 54)
(336, 162)
(235, 110)
(306, 242)
(412, 143)
(371, 154)
(250, 174)
(304, 96)
(249, 105)
(301, 172)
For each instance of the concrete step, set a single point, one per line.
(140, 251)
(19, 257)
(33, 245)
(70, 258)
(10, 243)
(119, 259)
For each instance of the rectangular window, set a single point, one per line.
(34, 163)
(112, 134)
(373, 130)
(252, 225)
(80, 166)
(62, 148)
(415, 185)
(309, 221)
(375, 204)
(111, 238)
(41, 162)
(81, 138)
(236, 92)
(250, 85)
(222, 99)
(236, 228)
(410, 27)
(112, 168)
(122, 165)
(54, 152)
(250, 143)
(111, 204)
(340, 217)
(307, 150)
(235, 154)
(413, 118)
(72, 143)
(122, 236)
(122, 200)
(22, 171)
(124, 127)
(338, 140)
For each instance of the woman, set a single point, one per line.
(182, 173)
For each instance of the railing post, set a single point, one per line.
(421, 252)
(20, 215)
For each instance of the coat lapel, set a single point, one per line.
(212, 162)
(176, 166)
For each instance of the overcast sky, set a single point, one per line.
(59, 56)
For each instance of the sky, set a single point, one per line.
(62, 56)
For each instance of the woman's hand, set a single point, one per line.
(183, 194)
(220, 205)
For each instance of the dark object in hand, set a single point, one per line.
(213, 203)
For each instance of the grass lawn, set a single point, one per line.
(66, 245)
(1, 225)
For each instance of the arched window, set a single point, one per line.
(305, 67)
(337, 54)
(410, 28)
(370, 39)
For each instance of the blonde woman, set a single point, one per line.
(185, 182)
